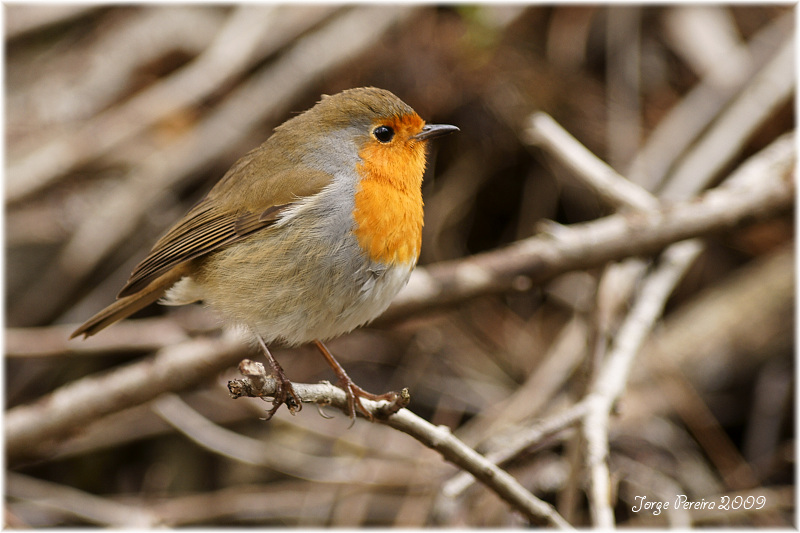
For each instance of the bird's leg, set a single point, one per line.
(354, 392)
(284, 392)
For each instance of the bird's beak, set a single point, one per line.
(429, 131)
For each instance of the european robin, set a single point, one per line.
(306, 237)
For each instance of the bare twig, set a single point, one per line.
(74, 502)
(21, 18)
(613, 375)
(257, 384)
(521, 441)
(232, 51)
(692, 114)
(604, 180)
(30, 429)
(538, 259)
(771, 87)
(293, 461)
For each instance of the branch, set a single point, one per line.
(613, 375)
(772, 163)
(30, 429)
(244, 32)
(48, 496)
(768, 89)
(606, 182)
(531, 436)
(538, 259)
(690, 116)
(256, 383)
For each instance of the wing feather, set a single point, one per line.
(208, 226)
(185, 244)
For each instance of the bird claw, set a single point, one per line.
(284, 395)
(355, 394)
(284, 391)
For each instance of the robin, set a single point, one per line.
(305, 238)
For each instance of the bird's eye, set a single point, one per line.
(384, 134)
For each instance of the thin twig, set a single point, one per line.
(771, 87)
(243, 33)
(676, 131)
(535, 260)
(77, 503)
(613, 375)
(593, 171)
(521, 441)
(30, 429)
(291, 461)
(257, 383)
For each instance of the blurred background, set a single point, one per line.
(119, 118)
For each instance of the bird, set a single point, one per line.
(305, 238)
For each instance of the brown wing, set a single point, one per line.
(249, 198)
(203, 231)
(243, 202)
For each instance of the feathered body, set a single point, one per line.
(307, 236)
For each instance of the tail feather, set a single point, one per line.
(126, 306)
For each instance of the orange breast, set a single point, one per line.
(388, 203)
(389, 222)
